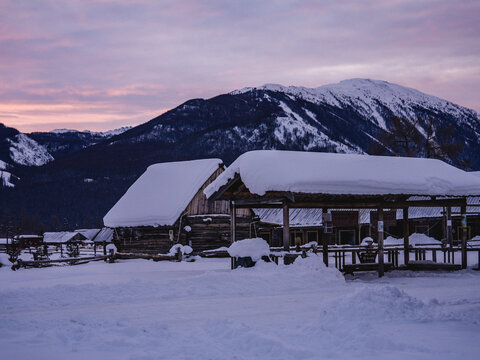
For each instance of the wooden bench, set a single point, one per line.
(350, 268)
(415, 266)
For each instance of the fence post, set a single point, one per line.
(381, 269)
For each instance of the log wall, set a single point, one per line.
(213, 232)
(144, 239)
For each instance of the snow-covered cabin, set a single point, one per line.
(166, 205)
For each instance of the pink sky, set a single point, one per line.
(100, 64)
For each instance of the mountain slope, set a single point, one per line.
(62, 142)
(351, 116)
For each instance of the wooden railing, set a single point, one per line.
(344, 256)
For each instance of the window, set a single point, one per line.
(296, 238)
(421, 229)
(312, 236)
(346, 237)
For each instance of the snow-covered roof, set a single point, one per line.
(353, 174)
(61, 237)
(161, 194)
(88, 233)
(105, 235)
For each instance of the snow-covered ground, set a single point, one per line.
(139, 309)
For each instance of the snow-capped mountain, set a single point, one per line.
(61, 142)
(346, 117)
(351, 117)
(26, 151)
(18, 150)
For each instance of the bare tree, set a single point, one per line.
(420, 138)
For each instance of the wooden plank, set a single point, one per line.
(350, 268)
(422, 266)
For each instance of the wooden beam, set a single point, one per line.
(278, 203)
(218, 194)
(464, 237)
(406, 239)
(381, 268)
(286, 227)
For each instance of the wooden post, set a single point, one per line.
(325, 247)
(325, 241)
(233, 229)
(449, 227)
(233, 222)
(286, 227)
(464, 236)
(381, 269)
(406, 239)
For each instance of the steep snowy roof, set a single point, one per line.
(161, 194)
(328, 173)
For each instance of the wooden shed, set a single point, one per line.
(166, 205)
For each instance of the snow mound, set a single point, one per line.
(367, 241)
(254, 247)
(111, 246)
(314, 264)
(4, 260)
(26, 151)
(415, 239)
(184, 249)
(379, 304)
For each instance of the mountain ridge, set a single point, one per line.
(350, 117)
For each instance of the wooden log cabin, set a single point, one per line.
(166, 205)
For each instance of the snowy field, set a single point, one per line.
(139, 309)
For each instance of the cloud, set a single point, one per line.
(98, 58)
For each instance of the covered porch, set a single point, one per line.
(286, 180)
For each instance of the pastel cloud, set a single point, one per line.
(102, 64)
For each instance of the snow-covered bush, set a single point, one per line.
(254, 248)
